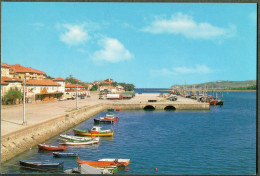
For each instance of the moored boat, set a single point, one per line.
(77, 138)
(110, 109)
(96, 121)
(80, 142)
(95, 131)
(63, 154)
(40, 164)
(109, 117)
(51, 147)
(98, 164)
(120, 162)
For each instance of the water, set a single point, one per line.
(219, 141)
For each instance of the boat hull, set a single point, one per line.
(51, 147)
(62, 154)
(120, 162)
(98, 164)
(40, 164)
(87, 133)
(96, 121)
(80, 142)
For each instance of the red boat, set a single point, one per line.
(118, 110)
(51, 147)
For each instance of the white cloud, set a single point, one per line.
(74, 35)
(198, 69)
(113, 51)
(185, 25)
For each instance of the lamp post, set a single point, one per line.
(24, 121)
(77, 97)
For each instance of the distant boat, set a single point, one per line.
(95, 131)
(40, 164)
(63, 154)
(110, 109)
(97, 121)
(51, 147)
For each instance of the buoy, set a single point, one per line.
(155, 169)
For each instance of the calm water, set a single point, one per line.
(219, 141)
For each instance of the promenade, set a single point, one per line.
(12, 115)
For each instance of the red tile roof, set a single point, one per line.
(5, 65)
(5, 80)
(73, 86)
(59, 79)
(45, 82)
(20, 69)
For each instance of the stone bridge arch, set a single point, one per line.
(149, 107)
(169, 108)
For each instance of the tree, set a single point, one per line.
(49, 77)
(12, 95)
(94, 88)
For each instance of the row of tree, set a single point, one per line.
(253, 87)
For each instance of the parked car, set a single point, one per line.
(62, 99)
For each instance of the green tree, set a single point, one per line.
(12, 95)
(94, 88)
(49, 77)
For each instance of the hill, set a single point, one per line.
(220, 84)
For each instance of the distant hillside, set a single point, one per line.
(220, 84)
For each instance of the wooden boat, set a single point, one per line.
(77, 138)
(80, 142)
(40, 164)
(95, 131)
(98, 164)
(87, 169)
(110, 109)
(120, 162)
(118, 110)
(63, 154)
(110, 117)
(96, 121)
(51, 147)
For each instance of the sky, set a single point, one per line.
(151, 45)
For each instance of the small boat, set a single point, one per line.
(95, 131)
(96, 121)
(98, 164)
(77, 138)
(118, 110)
(51, 147)
(110, 117)
(63, 154)
(110, 109)
(41, 164)
(80, 142)
(120, 162)
(87, 169)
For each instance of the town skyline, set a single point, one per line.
(148, 45)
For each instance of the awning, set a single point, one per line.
(49, 93)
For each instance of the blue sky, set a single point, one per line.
(147, 44)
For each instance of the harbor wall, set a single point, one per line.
(22, 140)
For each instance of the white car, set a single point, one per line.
(62, 99)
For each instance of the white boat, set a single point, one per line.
(121, 162)
(78, 138)
(79, 142)
(87, 169)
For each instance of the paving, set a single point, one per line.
(12, 115)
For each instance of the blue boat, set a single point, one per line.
(110, 109)
(41, 164)
(63, 154)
